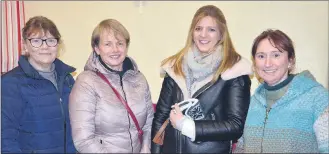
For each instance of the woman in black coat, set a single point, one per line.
(210, 70)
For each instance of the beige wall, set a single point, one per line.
(159, 29)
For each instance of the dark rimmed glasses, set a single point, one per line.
(37, 42)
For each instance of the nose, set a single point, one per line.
(115, 48)
(268, 62)
(44, 45)
(203, 32)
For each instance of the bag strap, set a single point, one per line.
(140, 131)
(159, 136)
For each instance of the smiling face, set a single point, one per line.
(43, 56)
(112, 49)
(271, 64)
(206, 34)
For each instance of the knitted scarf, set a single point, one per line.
(197, 67)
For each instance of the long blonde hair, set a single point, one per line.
(230, 56)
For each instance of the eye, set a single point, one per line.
(276, 55)
(212, 29)
(36, 40)
(260, 56)
(51, 40)
(120, 43)
(197, 29)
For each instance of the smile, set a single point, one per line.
(45, 53)
(204, 42)
(115, 56)
(269, 71)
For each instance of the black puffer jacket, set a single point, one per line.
(225, 105)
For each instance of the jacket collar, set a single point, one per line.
(300, 84)
(93, 64)
(60, 68)
(242, 67)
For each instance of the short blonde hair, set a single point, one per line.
(108, 25)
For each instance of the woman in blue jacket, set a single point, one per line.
(34, 100)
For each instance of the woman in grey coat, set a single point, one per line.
(100, 122)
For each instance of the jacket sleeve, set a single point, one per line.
(71, 148)
(237, 95)
(321, 115)
(163, 108)
(12, 107)
(239, 146)
(148, 125)
(82, 108)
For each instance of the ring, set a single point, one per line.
(174, 111)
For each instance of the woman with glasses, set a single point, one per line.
(34, 102)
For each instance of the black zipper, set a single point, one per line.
(63, 113)
(265, 121)
(124, 95)
(59, 91)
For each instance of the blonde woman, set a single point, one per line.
(209, 70)
(109, 119)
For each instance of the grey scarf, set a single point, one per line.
(197, 67)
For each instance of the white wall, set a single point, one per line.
(159, 29)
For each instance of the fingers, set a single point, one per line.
(175, 106)
(172, 118)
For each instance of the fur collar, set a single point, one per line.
(242, 67)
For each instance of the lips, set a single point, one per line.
(114, 56)
(45, 53)
(203, 42)
(269, 71)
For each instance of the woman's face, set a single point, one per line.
(41, 48)
(271, 64)
(113, 50)
(206, 34)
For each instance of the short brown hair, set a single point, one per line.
(279, 40)
(108, 25)
(39, 23)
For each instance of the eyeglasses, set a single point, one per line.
(37, 42)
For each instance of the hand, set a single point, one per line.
(145, 149)
(175, 115)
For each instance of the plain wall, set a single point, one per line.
(159, 29)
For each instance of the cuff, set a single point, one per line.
(188, 128)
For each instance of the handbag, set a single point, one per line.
(140, 132)
(159, 136)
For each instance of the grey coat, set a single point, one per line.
(100, 122)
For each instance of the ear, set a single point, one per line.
(97, 50)
(290, 63)
(24, 47)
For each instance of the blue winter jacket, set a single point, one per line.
(296, 123)
(34, 114)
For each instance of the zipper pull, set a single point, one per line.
(267, 112)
